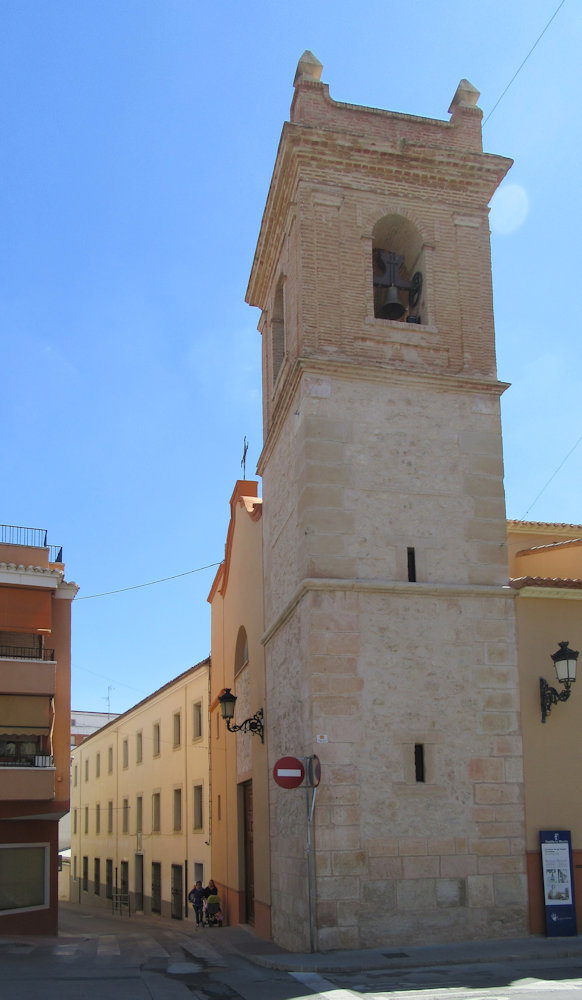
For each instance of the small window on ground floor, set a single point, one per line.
(24, 877)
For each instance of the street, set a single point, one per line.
(98, 955)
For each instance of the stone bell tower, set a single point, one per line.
(390, 642)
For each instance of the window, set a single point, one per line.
(138, 748)
(97, 875)
(177, 810)
(241, 653)
(125, 816)
(86, 827)
(74, 820)
(125, 753)
(97, 819)
(398, 262)
(110, 760)
(85, 874)
(218, 808)
(75, 771)
(278, 330)
(24, 877)
(75, 867)
(98, 766)
(139, 814)
(156, 812)
(177, 726)
(198, 811)
(110, 817)
(411, 558)
(419, 761)
(196, 720)
(156, 739)
(87, 770)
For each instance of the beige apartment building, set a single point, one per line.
(140, 792)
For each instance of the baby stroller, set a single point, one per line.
(214, 916)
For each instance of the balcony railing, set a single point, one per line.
(28, 760)
(36, 538)
(26, 653)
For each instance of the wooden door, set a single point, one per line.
(156, 887)
(138, 887)
(249, 852)
(177, 892)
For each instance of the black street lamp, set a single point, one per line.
(565, 663)
(253, 725)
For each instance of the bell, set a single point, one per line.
(392, 308)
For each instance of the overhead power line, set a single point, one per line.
(152, 583)
(519, 69)
(554, 474)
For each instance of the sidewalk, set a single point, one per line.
(212, 944)
(269, 955)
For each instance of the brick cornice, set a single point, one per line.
(366, 373)
(307, 155)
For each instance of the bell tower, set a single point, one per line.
(390, 640)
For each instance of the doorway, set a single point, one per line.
(138, 887)
(177, 892)
(249, 852)
(156, 887)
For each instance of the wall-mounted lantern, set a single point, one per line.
(253, 725)
(565, 663)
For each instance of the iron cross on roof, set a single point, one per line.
(243, 463)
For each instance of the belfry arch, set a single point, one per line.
(398, 266)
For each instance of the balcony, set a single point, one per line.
(22, 782)
(24, 676)
(32, 538)
(25, 653)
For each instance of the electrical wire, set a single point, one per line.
(152, 583)
(554, 474)
(519, 69)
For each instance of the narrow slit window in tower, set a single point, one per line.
(411, 556)
(419, 761)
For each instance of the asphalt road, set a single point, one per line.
(101, 957)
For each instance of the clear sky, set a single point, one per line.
(138, 140)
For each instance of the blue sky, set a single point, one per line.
(138, 140)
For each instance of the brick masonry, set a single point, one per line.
(381, 437)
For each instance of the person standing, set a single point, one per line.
(196, 896)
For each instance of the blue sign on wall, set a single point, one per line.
(557, 871)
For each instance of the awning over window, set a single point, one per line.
(24, 714)
(24, 610)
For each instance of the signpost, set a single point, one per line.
(556, 848)
(289, 772)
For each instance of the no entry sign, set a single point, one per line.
(289, 772)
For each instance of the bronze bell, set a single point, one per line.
(392, 308)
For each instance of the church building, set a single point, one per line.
(363, 613)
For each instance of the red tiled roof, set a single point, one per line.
(518, 583)
(542, 524)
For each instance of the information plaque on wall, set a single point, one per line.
(557, 871)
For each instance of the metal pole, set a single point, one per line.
(310, 874)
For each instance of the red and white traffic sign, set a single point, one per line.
(289, 772)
